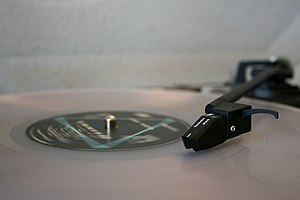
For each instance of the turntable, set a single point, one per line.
(127, 144)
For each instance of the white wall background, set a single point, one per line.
(57, 44)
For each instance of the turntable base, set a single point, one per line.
(262, 164)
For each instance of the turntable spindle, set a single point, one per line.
(110, 122)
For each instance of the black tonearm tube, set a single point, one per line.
(225, 119)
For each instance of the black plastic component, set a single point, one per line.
(236, 122)
(224, 122)
(225, 119)
(242, 89)
(277, 88)
(208, 131)
(258, 66)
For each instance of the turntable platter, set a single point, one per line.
(262, 164)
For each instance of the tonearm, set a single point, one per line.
(225, 119)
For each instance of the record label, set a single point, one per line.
(105, 131)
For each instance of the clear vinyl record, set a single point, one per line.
(56, 145)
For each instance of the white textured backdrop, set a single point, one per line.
(57, 44)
